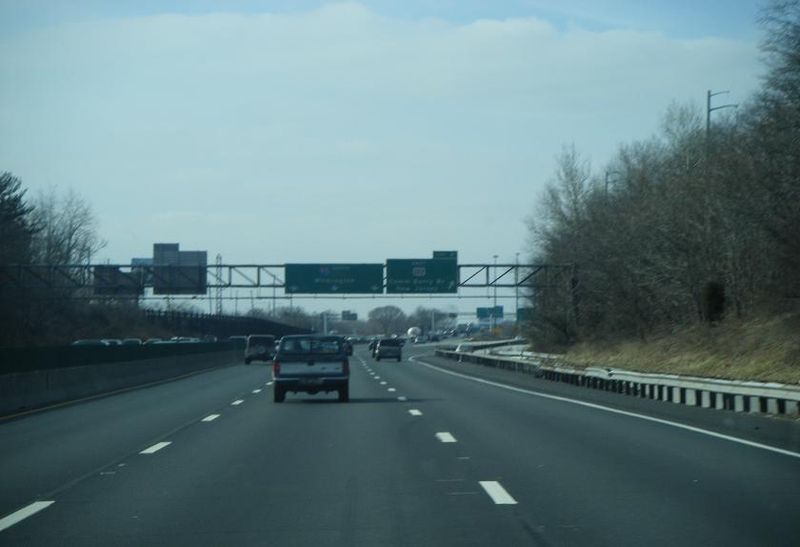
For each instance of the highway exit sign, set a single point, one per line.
(334, 278)
(426, 275)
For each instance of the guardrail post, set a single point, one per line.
(772, 406)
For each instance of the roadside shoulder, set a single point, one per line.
(780, 432)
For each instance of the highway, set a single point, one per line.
(420, 456)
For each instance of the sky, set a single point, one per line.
(310, 131)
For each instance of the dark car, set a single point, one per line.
(259, 347)
(389, 348)
(311, 364)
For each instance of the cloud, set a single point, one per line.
(335, 128)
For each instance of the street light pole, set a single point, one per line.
(516, 288)
(710, 109)
(494, 308)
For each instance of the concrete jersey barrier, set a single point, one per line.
(35, 388)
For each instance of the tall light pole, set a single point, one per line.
(494, 308)
(710, 109)
(516, 288)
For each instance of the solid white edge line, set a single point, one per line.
(445, 437)
(497, 493)
(415, 412)
(595, 406)
(22, 514)
(210, 418)
(156, 447)
(237, 402)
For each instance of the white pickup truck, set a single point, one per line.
(311, 364)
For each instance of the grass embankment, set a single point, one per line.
(761, 350)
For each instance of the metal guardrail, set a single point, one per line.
(754, 397)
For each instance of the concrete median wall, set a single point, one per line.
(28, 389)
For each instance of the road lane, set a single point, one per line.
(43, 451)
(310, 471)
(522, 470)
(577, 470)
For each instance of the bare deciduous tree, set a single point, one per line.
(389, 319)
(67, 229)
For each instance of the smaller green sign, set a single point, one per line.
(525, 314)
(446, 255)
(421, 275)
(495, 312)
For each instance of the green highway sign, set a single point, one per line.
(525, 314)
(450, 255)
(495, 312)
(426, 275)
(334, 278)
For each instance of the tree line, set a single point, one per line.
(693, 225)
(380, 320)
(54, 227)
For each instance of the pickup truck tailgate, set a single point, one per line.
(299, 369)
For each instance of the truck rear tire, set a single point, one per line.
(278, 394)
(344, 394)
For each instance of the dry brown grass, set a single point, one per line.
(763, 350)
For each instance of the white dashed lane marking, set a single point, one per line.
(497, 493)
(22, 514)
(237, 402)
(415, 412)
(445, 437)
(156, 447)
(256, 391)
(402, 398)
(613, 411)
(210, 418)
(391, 389)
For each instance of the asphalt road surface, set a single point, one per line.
(419, 456)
